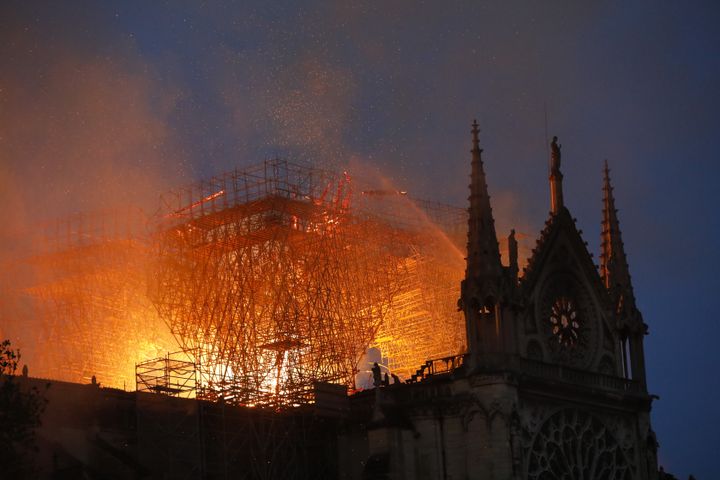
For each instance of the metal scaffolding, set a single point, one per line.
(278, 276)
(90, 296)
(270, 279)
(169, 375)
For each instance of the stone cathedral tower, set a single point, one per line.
(553, 383)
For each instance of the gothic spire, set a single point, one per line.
(616, 276)
(614, 267)
(481, 290)
(556, 177)
(483, 253)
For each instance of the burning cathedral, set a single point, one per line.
(552, 385)
(277, 295)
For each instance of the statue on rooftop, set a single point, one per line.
(555, 155)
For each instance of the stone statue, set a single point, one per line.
(555, 155)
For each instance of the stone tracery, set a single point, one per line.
(573, 445)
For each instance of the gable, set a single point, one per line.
(561, 282)
(560, 230)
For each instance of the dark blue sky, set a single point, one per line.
(108, 102)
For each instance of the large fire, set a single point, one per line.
(86, 311)
(267, 280)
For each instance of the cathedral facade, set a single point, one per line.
(553, 383)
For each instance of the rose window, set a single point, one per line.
(564, 321)
(572, 445)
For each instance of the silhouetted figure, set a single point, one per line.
(25, 371)
(93, 381)
(395, 378)
(386, 380)
(555, 155)
(377, 378)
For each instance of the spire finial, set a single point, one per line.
(483, 252)
(555, 155)
(475, 131)
(556, 194)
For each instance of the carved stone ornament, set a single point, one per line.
(573, 445)
(569, 321)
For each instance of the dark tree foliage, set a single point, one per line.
(20, 410)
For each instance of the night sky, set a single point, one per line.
(104, 103)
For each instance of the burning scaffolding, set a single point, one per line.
(89, 288)
(423, 321)
(270, 280)
(274, 278)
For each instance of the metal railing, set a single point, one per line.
(525, 367)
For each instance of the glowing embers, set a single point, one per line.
(185, 210)
(273, 383)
